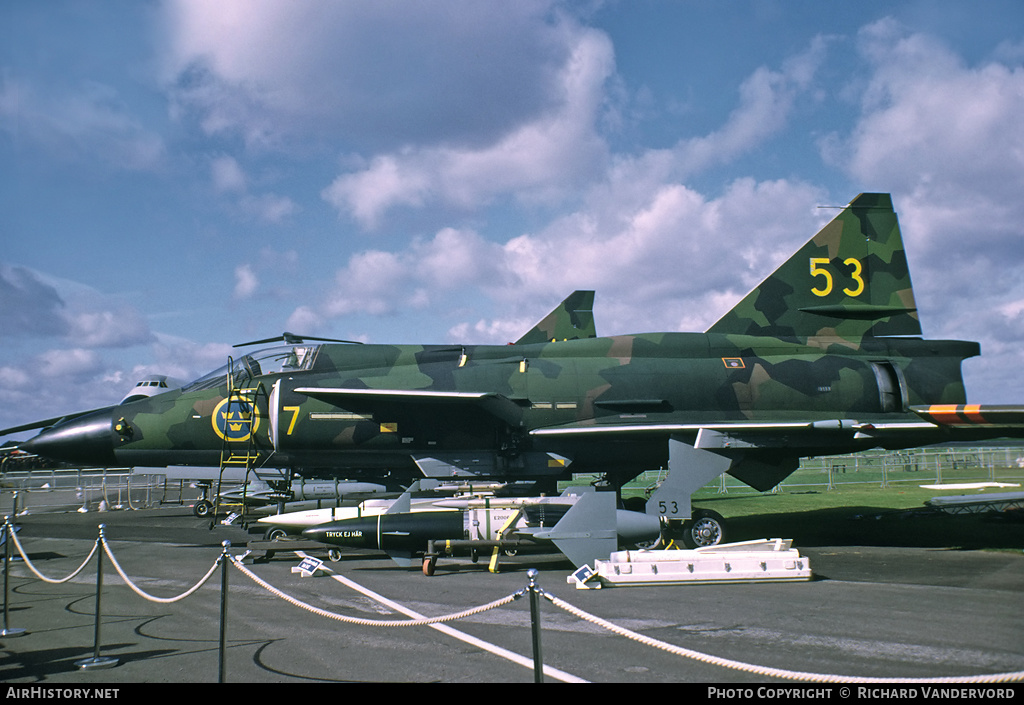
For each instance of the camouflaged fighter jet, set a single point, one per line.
(823, 357)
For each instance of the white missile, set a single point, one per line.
(314, 517)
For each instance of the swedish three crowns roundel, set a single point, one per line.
(235, 419)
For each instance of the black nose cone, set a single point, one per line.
(315, 533)
(86, 440)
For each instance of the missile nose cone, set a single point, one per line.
(357, 532)
(315, 533)
(87, 439)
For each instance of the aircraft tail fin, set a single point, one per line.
(850, 280)
(571, 319)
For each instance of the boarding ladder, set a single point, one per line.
(239, 443)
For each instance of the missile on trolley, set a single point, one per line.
(581, 523)
(338, 492)
(295, 522)
(422, 495)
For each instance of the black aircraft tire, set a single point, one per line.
(202, 508)
(705, 528)
(274, 533)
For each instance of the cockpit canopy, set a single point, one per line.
(276, 360)
(150, 386)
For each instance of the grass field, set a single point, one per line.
(872, 498)
(863, 517)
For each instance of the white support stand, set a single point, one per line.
(763, 560)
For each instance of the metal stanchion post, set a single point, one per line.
(8, 537)
(538, 659)
(223, 610)
(98, 661)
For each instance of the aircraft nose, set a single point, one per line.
(87, 440)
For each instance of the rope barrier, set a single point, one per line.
(117, 567)
(153, 598)
(764, 670)
(17, 544)
(371, 622)
(559, 603)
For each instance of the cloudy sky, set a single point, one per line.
(180, 176)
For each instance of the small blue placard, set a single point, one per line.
(310, 565)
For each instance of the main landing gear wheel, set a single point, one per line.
(705, 528)
(274, 533)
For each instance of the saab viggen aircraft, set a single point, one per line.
(823, 357)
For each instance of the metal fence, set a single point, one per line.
(917, 466)
(118, 488)
(88, 490)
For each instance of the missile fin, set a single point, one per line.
(587, 531)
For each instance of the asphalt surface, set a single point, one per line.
(872, 611)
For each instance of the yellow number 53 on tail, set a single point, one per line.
(819, 269)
